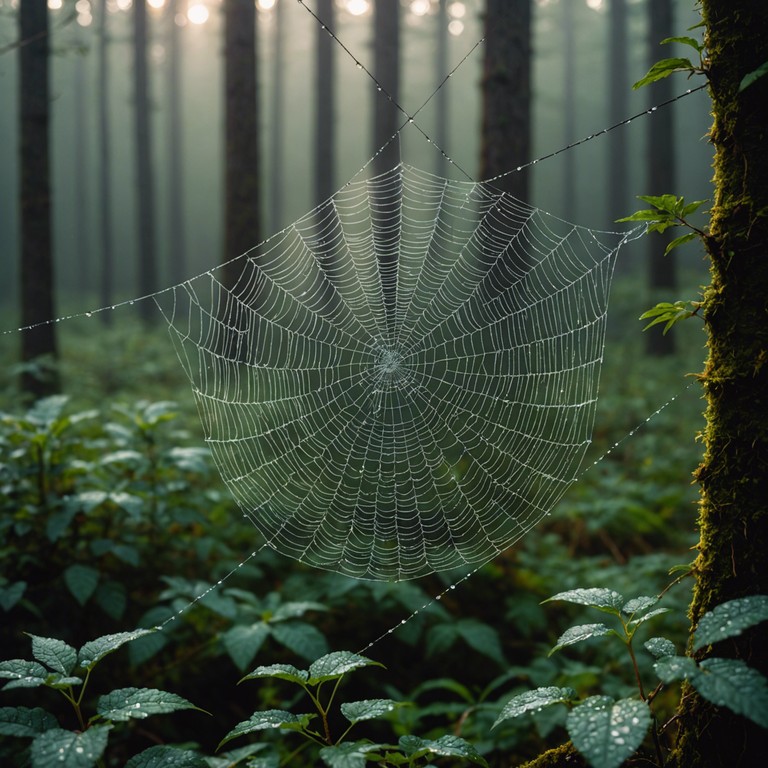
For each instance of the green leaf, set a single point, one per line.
(348, 754)
(301, 638)
(595, 597)
(731, 683)
(239, 756)
(281, 672)
(664, 68)
(162, 756)
(111, 598)
(669, 313)
(659, 647)
(295, 609)
(11, 594)
(730, 619)
(126, 703)
(608, 732)
(670, 204)
(482, 638)
(650, 615)
(23, 674)
(95, 650)
(24, 722)
(647, 214)
(642, 603)
(334, 665)
(685, 40)
(81, 580)
(271, 718)
(574, 635)
(56, 654)
(367, 709)
(671, 668)
(57, 747)
(534, 701)
(243, 642)
(754, 76)
(445, 746)
(692, 207)
(679, 241)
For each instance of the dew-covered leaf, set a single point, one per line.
(671, 668)
(641, 603)
(534, 701)
(659, 647)
(581, 632)
(56, 748)
(25, 721)
(367, 709)
(244, 756)
(348, 754)
(595, 597)
(81, 580)
(95, 650)
(162, 756)
(138, 703)
(280, 671)
(608, 732)
(445, 746)
(336, 664)
(271, 718)
(731, 683)
(244, 641)
(23, 674)
(56, 654)
(730, 619)
(650, 615)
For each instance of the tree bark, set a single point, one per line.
(36, 273)
(733, 476)
(241, 151)
(662, 270)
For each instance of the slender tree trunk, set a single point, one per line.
(569, 111)
(618, 104)
(241, 150)
(733, 476)
(83, 266)
(506, 126)
(105, 169)
(662, 274)
(37, 283)
(177, 245)
(278, 122)
(145, 199)
(325, 104)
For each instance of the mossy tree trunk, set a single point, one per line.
(733, 476)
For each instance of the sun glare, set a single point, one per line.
(198, 13)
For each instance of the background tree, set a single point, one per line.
(733, 476)
(618, 105)
(37, 281)
(325, 103)
(277, 120)
(441, 70)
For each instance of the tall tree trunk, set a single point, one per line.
(177, 245)
(618, 90)
(145, 194)
(733, 476)
(569, 110)
(325, 103)
(241, 150)
(506, 126)
(662, 274)
(278, 121)
(37, 283)
(105, 169)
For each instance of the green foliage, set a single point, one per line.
(666, 67)
(752, 77)
(670, 313)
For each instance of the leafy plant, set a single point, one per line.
(666, 67)
(607, 731)
(58, 666)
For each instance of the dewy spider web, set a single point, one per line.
(391, 421)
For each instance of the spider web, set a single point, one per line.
(404, 380)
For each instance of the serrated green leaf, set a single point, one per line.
(595, 597)
(730, 619)
(281, 672)
(56, 654)
(608, 732)
(680, 241)
(641, 603)
(650, 615)
(574, 635)
(367, 709)
(670, 204)
(57, 747)
(271, 718)
(138, 703)
(337, 663)
(659, 647)
(347, 754)
(752, 77)
(95, 650)
(646, 214)
(162, 756)
(534, 701)
(301, 638)
(445, 746)
(662, 69)
(23, 674)
(731, 683)
(81, 580)
(25, 722)
(671, 668)
(685, 40)
(243, 642)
